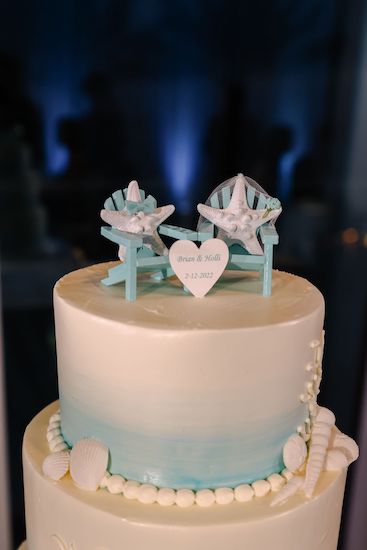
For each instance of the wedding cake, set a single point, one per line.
(186, 422)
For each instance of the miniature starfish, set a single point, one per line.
(140, 218)
(238, 222)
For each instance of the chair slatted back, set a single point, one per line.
(223, 198)
(117, 200)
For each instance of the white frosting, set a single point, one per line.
(131, 489)
(276, 482)
(205, 497)
(243, 493)
(96, 330)
(294, 452)
(261, 487)
(147, 494)
(115, 484)
(166, 496)
(88, 463)
(98, 520)
(185, 498)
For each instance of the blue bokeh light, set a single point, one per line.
(183, 123)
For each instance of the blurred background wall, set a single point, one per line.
(180, 95)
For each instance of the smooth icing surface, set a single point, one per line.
(59, 515)
(186, 392)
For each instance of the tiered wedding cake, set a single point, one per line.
(186, 423)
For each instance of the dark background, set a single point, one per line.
(179, 95)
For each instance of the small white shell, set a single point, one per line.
(288, 490)
(131, 489)
(56, 465)
(276, 482)
(185, 498)
(147, 493)
(326, 416)
(335, 460)
(243, 493)
(287, 474)
(88, 463)
(166, 496)
(294, 452)
(345, 444)
(261, 487)
(224, 495)
(115, 484)
(205, 497)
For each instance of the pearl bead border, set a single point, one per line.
(165, 496)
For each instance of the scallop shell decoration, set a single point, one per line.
(88, 463)
(345, 444)
(56, 465)
(320, 438)
(294, 452)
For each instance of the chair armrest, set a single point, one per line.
(268, 234)
(121, 237)
(177, 233)
(205, 231)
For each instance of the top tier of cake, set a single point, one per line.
(186, 392)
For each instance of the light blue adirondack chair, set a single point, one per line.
(138, 257)
(239, 257)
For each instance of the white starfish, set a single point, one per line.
(238, 222)
(138, 221)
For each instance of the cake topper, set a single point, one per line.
(238, 212)
(139, 217)
(238, 222)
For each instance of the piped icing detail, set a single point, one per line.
(87, 462)
(328, 449)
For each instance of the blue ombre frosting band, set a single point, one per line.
(196, 462)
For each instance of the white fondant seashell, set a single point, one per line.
(55, 417)
(55, 442)
(224, 495)
(62, 446)
(131, 489)
(185, 498)
(147, 493)
(56, 465)
(335, 460)
(276, 482)
(115, 484)
(288, 490)
(52, 434)
(326, 416)
(244, 493)
(294, 452)
(346, 444)
(261, 487)
(205, 498)
(88, 463)
(315, 465)
(166, 496)
(287, 474)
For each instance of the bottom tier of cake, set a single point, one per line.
(59, 515)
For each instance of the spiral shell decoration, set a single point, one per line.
(56, 465)
(88, 463)
(288, 490)
(320, 437)
(294, 452)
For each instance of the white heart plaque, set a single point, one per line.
(199, 268)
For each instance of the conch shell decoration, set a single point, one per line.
(329, 450)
